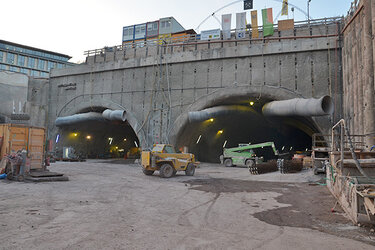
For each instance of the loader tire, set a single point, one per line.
(249, 163)
(228, 163)
(166, 171)
(148, 172)
(190, 169)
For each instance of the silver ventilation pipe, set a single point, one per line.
(114, 115)
(300, 107)
(108, 114)
(73, 119)
(205, 114)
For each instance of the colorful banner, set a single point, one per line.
(254, 24)
(240, 25)
(267, 22)
(286, 24)
(226, 24)
(284, 9)
(210, 34)
(165, 38)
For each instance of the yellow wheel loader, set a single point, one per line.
(163, 158)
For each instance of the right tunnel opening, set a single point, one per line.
(206, 139)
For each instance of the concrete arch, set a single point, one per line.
(71, 109)
(219, 96)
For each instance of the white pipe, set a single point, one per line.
(73, 119)
(108, 114)
(205, 114)
(300, 107)
(114, 115)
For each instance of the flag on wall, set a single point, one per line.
(254, 24)
(284, 9)
(267, 22)
(240, 25)
(226, 24)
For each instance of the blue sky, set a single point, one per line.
(73, 26)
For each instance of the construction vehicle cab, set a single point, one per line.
(244, 155)
(163, 158)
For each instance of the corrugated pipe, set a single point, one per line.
(114, 115)
(73, 119)
(108, 114)
(205, 114)
(300, 107)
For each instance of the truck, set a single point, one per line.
(244, 154)
(167, 161)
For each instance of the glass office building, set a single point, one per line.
(28, 60)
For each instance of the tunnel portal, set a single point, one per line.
(247, 124)
(100, 138)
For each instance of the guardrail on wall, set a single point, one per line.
(195, 38)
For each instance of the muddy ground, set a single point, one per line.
(112, 205)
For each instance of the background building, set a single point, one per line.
(30, 61)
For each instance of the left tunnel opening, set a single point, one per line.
(97, 139)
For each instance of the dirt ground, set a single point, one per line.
(112, 205)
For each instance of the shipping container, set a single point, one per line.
(15, 137)
(152, 29)
(140, 31)
(128, 33)
(169, 25)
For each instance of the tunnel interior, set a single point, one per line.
(97, 139)
(207, 138)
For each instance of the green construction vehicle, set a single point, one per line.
(244, 154)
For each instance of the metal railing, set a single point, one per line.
(181, 40)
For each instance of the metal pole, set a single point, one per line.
(308, 12)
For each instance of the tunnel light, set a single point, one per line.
(211, 120)
(57, 138)
(220, 132)
(116, 147)
(75, 134)
(290, 148)
(306, 149)
(251, 103)
(225, 143)
(125, 139)
(88, 137)
(199, 138)
(282, 148)
(121, 150)
(136, 144)
(110, 139)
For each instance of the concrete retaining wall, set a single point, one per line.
(138, 80)
(358, 67)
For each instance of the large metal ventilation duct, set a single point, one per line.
(300, 107)
(205, 114)
(91, 116)
(73, 119)
(114, 115)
